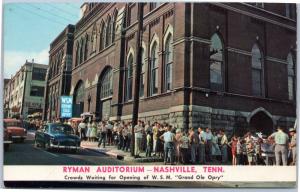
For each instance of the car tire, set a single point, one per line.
(22, 140)
(6, 147)
(47, 146)
(36, 143)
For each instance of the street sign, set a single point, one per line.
(66, 103)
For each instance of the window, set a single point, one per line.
(154, 70)
(106, 84)
(37, 91)
(39, 74)
(94, 39)
(142, 77)
(257, 72)
(77, 54)
(291, 76)
(86, 43)
(168, 63)
(108, 32)
(216, 63)
(79, 93)
(81, 51)
(129, 78)
(114, 26)
(155, 5)
(290, 11)
(102, 36)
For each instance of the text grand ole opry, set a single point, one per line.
(219, 65)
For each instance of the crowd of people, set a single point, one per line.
(195, 146)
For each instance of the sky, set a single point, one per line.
(29, 28)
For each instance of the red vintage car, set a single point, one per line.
(16, 129)
(7, 140)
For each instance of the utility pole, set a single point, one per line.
(136, 96)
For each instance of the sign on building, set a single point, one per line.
(66, 103)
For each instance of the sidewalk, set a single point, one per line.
(119, 154)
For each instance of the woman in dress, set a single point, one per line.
(178, 136)
(89, 129)
(215, 151)
(93, 133)
(233, 145)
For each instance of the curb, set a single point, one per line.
(120, 157)
(125, 158)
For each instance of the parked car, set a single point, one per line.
(16, 129)
(7, 137)
(57, 136)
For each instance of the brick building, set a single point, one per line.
(59, 72)
(214, 65)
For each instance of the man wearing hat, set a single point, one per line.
(293, 144)
(281, 146)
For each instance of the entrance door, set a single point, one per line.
(261, 122)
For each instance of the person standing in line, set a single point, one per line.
(208, 144)
(281, 146)
(93, 133)
(129, 136)
(155, 137)
(194, 142)
(202, 142)
(238, 151)
(178, 135)
(109, 132)
(224, 142)
(184, 147)
(138, 135)
(89, 129)
(102, 138)
(125, 136)
(233, 145)
(292, 145)
(148, 148)
(168, 138)
(215, 151)
(82, 130)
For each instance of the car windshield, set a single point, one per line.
(14, 124)
(65, 129)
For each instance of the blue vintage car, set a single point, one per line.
(57, 136)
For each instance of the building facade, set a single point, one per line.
(25, 90)
(58, 76)
(216, 65)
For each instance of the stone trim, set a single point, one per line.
(255, 16)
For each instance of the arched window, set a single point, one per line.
(106, 84)
(94, 39)
(257, 72)
(142, 77)
(216, 61)
(114, 26)
(108, 32)
(86, 43)
(102, 36)
(291, 76)
(154, 70)
(81, 51)
(77, 54)
(129, 78)
(168, 63)
(79, 93)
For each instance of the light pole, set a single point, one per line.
(135, 111)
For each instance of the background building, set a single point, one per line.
(219, 65)
(26, 90)
(59, 72)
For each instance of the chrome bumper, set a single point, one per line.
(7, 142)
(18, 137)
(63, 147)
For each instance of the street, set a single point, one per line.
(27, 154)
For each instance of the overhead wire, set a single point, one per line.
(36, 14)
(49, 12)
